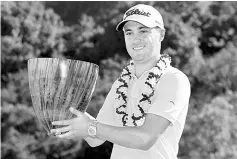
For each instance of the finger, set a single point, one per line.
(63, 122)
(74, 111)
(60, 130)
(88, 115)
(67, 135)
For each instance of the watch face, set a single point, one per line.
(92, 131)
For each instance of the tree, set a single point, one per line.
(209, 133)
(28, 30)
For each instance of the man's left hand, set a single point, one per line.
(76, 127)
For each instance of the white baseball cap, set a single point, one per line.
(144, 14)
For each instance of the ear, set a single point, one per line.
(162, 34)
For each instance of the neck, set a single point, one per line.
(142, 67)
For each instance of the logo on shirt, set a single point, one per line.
(138, 12)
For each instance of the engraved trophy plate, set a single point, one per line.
(57, 84)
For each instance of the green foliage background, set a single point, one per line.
(201, 37)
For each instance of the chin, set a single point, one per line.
(140, 61)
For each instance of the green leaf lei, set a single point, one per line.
(148, 91)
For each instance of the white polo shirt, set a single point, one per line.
(170, 101)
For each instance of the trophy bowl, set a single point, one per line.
(57, 84)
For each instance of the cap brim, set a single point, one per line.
(121, 24)
(142, 21)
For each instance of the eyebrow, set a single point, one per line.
(141, 27)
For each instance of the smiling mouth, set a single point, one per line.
(138, 48)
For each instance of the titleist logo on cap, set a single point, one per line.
(137, 11)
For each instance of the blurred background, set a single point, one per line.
(201, 38)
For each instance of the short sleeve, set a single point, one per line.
(172, 96)
(106, 113)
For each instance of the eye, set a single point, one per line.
(128, 33)
(143, 31)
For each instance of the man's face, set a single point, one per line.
(142, 43)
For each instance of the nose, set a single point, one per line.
(137, 38)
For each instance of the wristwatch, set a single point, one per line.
(92, 130)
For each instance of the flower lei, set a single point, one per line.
(148, 91)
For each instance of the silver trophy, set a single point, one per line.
(57, 84)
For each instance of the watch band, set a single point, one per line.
(94, 123)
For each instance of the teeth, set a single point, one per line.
(138, 48)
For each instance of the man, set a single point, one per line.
(145, 111)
